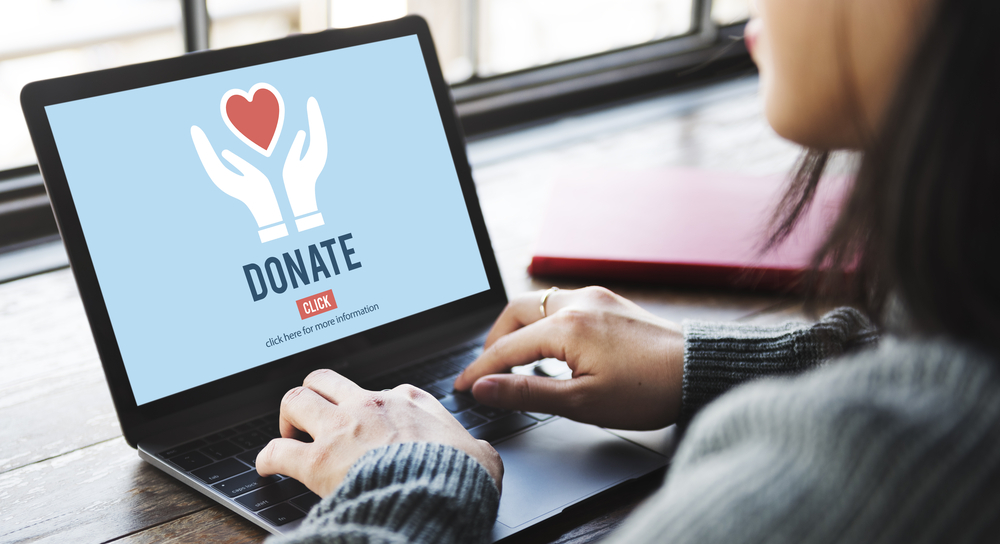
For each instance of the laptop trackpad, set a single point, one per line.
(555, 465)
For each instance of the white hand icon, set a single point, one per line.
(300, 173)
(250, 186)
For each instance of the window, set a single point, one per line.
(728, 12)
(476, 39)
(519, 34)
(239, 22)
(509, 61)
(40, 39)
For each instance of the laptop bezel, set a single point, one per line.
(36, 96)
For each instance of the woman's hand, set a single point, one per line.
(345, 421)
(627, 363)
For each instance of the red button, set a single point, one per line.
(316, 304)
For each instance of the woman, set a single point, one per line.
(894, 442)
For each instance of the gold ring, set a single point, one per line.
(545, 298)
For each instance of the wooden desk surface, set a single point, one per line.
(66, 474)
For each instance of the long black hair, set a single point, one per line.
(922, 222)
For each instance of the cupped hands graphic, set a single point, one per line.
(256, 118)
(301, 172)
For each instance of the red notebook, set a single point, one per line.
(679, 227)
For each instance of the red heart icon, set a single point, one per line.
(255, 116)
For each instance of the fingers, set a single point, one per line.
(201, 142)
(522, 346)
(243, 166)
(252, 188)
(424, 400)
(524, 310)
(530, 393)
(294, 154)
(317, 135)
(213, 166)
(303, 409)
(315, 157)
(332, 386)
(282, 456)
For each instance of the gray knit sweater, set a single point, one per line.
(894, 443)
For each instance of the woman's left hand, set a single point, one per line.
(345, 421)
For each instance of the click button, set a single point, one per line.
(316, 304)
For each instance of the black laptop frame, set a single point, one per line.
(343, 354)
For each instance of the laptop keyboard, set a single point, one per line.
(226, 460)
(437, 376)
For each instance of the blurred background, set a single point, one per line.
(477, 40)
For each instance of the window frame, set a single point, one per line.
(484, 105)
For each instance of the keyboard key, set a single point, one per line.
(219, 436)
(220, 471)
(455, 366)
(502, 427)
(469, 356)
(244, 427)
(282, 514)
(540, 416)
(438, 370)
(458, 403)
(270, 430)
(222, 450)
(446, 385)
(272, 494)
(307, 501)
(191, 460)
(244, 483)
(250, 457)
(415, 378)
(464, 359)
(435, 393)
(469, 420)
(252, 439)
(261, 421)
(490, 412)
(172, 452)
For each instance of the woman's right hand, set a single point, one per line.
(627, 363)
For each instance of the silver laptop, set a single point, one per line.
(238, 218)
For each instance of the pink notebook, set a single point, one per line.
(679, 227)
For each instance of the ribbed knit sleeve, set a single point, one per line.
(896, 445)
(415, 492)
(720, 356)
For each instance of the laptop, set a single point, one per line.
(238, 218)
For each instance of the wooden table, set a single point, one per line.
(66, 474)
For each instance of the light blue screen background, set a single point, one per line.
(169, 246)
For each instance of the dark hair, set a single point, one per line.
(923, 219)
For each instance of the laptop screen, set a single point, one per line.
(244, 216)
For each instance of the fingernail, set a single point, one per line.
(485, 390)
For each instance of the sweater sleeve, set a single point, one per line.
(893, 445)
(720, 356)
(414, 492)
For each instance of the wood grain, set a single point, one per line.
(67, 476)
(53, 397)
(93, 494)
(216, 525)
